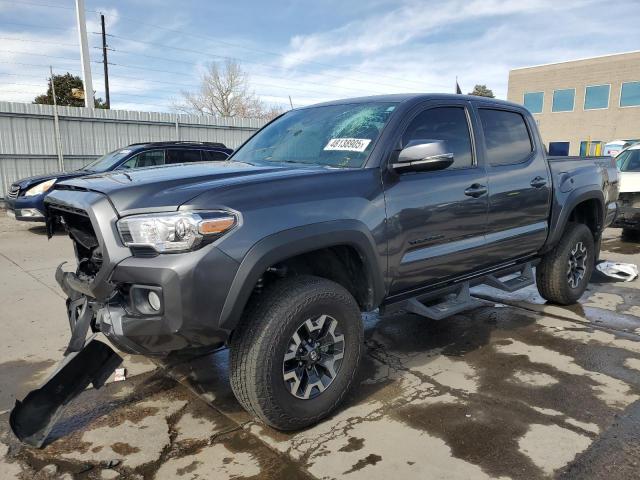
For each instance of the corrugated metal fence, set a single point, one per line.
(28, 140)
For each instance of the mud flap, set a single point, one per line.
(33, 418)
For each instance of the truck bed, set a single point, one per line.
(573, 172)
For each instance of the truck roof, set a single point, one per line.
(179, 143)
(413, 98)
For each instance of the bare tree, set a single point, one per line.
(224, 91)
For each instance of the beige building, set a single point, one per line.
(581, 105)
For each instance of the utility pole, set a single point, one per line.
(106, 63)
(56, 123)
(84, 55)
(290, 102)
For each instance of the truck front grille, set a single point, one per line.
(14, 191)
(79, 227)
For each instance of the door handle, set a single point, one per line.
(538, 182)
(476, 190)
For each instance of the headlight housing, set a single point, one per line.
(176, 231)
(40, 188)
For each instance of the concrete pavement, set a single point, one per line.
(514, 389)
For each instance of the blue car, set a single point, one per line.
(25, 200)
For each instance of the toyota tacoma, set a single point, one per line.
(392, 202)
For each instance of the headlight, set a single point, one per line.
(174, 232)
(40, 188)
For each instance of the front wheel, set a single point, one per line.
(295, 355)
(564, 272)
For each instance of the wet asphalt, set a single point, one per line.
(513, 389)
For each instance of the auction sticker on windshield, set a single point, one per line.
(348, 144)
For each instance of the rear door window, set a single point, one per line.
(150, 158)
(213, 156)
(506, 136)
(179, 155)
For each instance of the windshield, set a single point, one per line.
(629, 161)
(334, 136)
(107, 162)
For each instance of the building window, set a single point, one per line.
(596, 97)
(559, 149)
(630, 94)
(533, 101)
(563, 100)
(591, 148)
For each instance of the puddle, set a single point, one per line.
(18, 378)
(626, 246)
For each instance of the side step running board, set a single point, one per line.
(450, 304)
(523, 279)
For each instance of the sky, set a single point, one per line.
(311, 51)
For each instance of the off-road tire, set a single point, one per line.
(630, 234)
(259, 343)
(551, 272)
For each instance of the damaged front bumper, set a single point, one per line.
(149, 305)
(189, 289)
(628, 211)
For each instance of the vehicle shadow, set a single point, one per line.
(390, 341)
(41, 229)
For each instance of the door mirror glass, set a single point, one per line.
(423, 156)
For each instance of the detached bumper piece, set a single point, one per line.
(33, 418)
(86, 362)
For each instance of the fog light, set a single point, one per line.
(30, 212)
(154, 300)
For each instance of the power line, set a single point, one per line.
(44, 5)
(188, 50)
(57, 67)
(255, 50)
(200, 52)
(28, 40)
(39, 55)
(35, 26)
(271, 85)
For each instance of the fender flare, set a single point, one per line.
(289, 243)
(560, 217)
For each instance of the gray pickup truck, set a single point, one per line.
(390, 202)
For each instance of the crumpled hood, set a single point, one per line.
(28, 182)
(168, 187)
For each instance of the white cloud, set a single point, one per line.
(412, 20)
(422, 46)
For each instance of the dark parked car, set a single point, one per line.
(396, 202)
(25, 200)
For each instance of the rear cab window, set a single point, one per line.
(213, 156)
(506, 136)
(183, 155)
(150, 158)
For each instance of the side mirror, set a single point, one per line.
(423, 156)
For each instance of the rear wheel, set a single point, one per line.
(564, 272)
(296, 353)
(630, 234)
